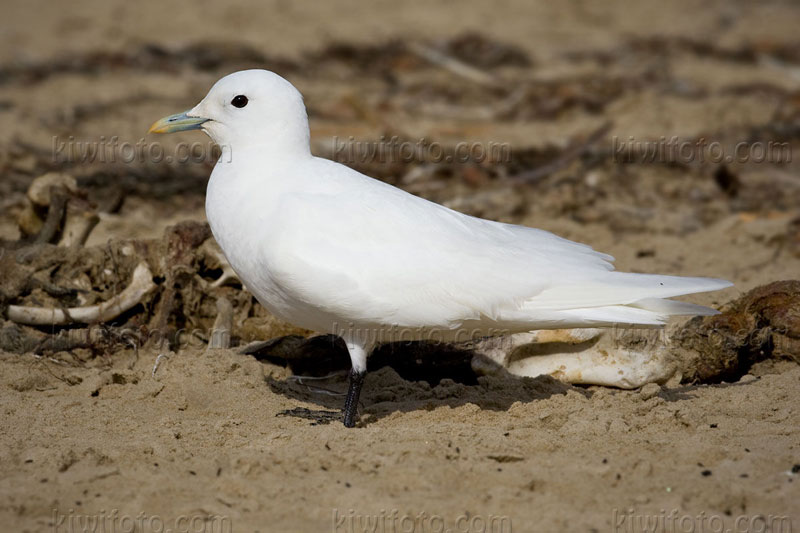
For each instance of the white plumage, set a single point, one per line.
(330, 249)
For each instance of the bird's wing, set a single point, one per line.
(374, 252)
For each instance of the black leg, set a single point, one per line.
(353, 392)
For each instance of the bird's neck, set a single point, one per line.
(275, 139)
(271, 149)
(288, 138)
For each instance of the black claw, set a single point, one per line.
(353, 392)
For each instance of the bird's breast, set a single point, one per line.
(241, 221)
(250, 223)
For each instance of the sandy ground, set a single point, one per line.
(222, 440)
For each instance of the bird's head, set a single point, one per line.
(247, 108)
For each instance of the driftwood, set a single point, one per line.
(141, 285)
(58, 212)
(457, 67)
(575, 151)
(78, 225)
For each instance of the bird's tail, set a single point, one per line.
(627, 298)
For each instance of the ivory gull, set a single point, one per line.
(329, 249)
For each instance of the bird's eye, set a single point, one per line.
(239, 101)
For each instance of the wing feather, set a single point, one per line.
(416, 263)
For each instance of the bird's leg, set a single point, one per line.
(358, 356)
(353, 392)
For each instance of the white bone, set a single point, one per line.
(579, 356)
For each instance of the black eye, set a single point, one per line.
(239, 101)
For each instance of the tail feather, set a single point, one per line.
(673, 307)
(614, 315)
(622, 288)
(648, 312)
(623, 299)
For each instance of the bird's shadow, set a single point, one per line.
(402, 377)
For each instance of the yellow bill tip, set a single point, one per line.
(177, 122)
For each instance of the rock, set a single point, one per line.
(650, 390)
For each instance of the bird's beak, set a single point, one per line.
(178, 122)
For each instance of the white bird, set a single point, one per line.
(329, 249)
